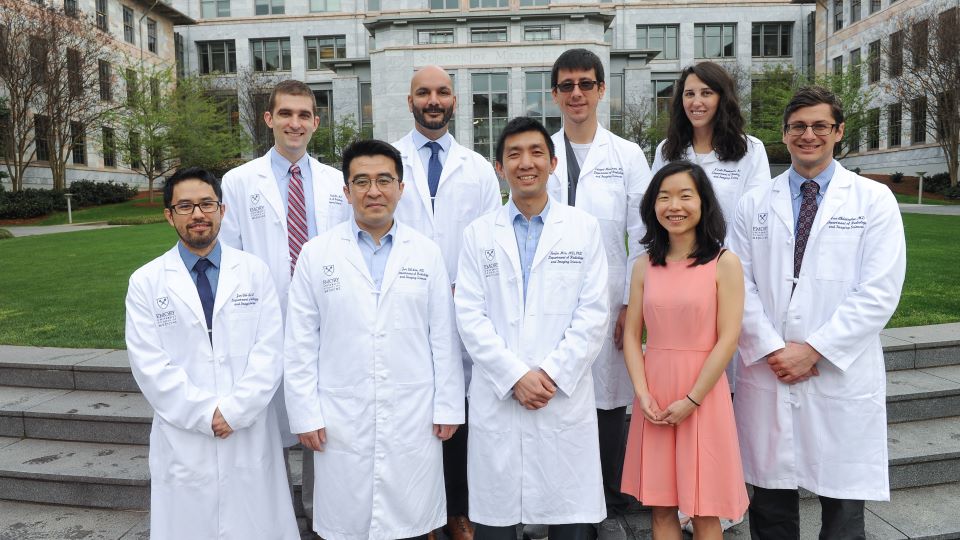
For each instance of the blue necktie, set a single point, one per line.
(433, 169)
(206, 293)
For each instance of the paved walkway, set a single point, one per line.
(33, 230)
(938, 209)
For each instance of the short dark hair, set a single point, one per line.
(729, 138)
(370, 147)
(811, 96)
(710, 231)
(190, 173)
(290, 87)
(577, 59)
(523, 124)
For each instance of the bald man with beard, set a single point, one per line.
(448, 187)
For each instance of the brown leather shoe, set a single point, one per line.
(459, 528)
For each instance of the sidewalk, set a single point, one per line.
(938, 209)
(33, 230)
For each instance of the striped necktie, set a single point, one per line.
(296, 216)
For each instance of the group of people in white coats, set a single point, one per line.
(383, 319)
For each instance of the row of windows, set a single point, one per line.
(894, 127)
(855, 11)
(539, 32)
(717, 40)
(78, 138)
(210, 9)
(102, 18)
(268, 54)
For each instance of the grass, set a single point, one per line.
(134, 209)
(67, 290)
(912, 199)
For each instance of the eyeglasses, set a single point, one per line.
(186, 208)
(585, 86)
(818, 129)
(362, 183)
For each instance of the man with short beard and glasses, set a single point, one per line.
(450, 186)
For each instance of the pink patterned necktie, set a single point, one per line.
(296, 216)
(808, 211)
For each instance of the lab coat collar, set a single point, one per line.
(506, 239)
(267, 186)
(551, 233)
(181, 284)
(229, 280)
(351, 250)
(780, 201)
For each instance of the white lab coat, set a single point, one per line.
(468, 189)
(256, 222)
(377, 376)
(613, 179)
(202, 486)
(538, 466)
(730, 181)
(828, 434)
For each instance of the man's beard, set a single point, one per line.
(420, 116)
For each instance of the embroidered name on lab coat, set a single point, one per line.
(725, 174)
(491, 268)
(415, 274)
(245, 300)
(565, 257)
(335, 199)
(608, 173)
(842, 223)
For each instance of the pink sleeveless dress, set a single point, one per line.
(696, 465)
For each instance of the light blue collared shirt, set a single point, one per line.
(527, 233)
(420, 142)
(375, 256)
(213, 271)
(281, 171)
(796, 196)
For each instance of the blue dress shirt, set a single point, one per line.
(420, 143)
(527, 232)
(281, 171)
(213, 271)
(796, 196)
(375, 256)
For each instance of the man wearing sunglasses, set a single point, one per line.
(372, 372)
(605, 176)
(205, 340)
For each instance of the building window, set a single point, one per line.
(217, 56)
(837, 15)
(539, 100)
(154, 91)
(78, 149)
(106, 89)
(874, 6)
(74, 64)
(134, 149)
(894, 125)
(180, 53)
(269, 7)
(373, 5)
(324, 112)
(328, 5)
(490, 110)
(714, 40)
(488, 35)
(130, 78)
(853, 140)
(489, 3)
(663, 94)
(896, 54)
(109, 148)
(873, 129)
(128, 25)
(772, 40)
(530, 3)
(325, 48)
(873, 70)
(615, 91)
(102, 22)
(271, 54)
(436, 36)
(838, 66)
(920, 36)
(918, 121)
(152, 35)
(659, 38)
(541, 32)
(854, 11)
(444, 4)
(41, 137)
(366, 111)
(210, 9)
(70, 8)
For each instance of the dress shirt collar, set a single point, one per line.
(363, 236)
(514, 212)
(444, 141)
(280, 163)
(190, 258)
(821, 179)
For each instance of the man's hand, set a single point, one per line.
(314, 440)
(794, 363)
(618, 329)
(444, 431)
(534, 389)
(221, 429)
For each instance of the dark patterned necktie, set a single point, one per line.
(808, 211)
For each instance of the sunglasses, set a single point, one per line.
(585, 86)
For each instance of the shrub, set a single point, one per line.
(952, 192)
(142, 220)
(4, 234)
(90, 193)
(936, 183)
(896, 177)
(30, 203)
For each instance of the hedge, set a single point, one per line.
(31, 203)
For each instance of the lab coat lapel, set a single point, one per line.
(181, 284)
(228, 281)
(398, 257)
(413, 170)
(267, 186)
(560, 189)
(455, 159)
(550, 234)
(780, 201)
(596, 154)
(506, 238)
(351, 252)
(837, 192)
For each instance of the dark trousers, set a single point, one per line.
(612, 428)
(569, 531)
(775, 515)
(455, 471)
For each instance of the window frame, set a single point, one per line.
(666, 40)
(229, 52)
(269, 7)
(102, 10)
(429, 32)
(152, 36)
(104, 72)
(109, 147)
(128, 34)
(78, 143)
(313, 56)
(284, 59)
(491, 30)
(543, 27)
(758, 37)
(702, 29)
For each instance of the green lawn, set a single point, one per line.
(71, 292)
(912, 199)
(131, 209)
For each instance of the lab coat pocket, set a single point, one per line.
(608, 202)
(409, 308)
(179, 457)
(837, 257)
(560, 291)
(413, 416)
(345, 412)
(243, 331)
